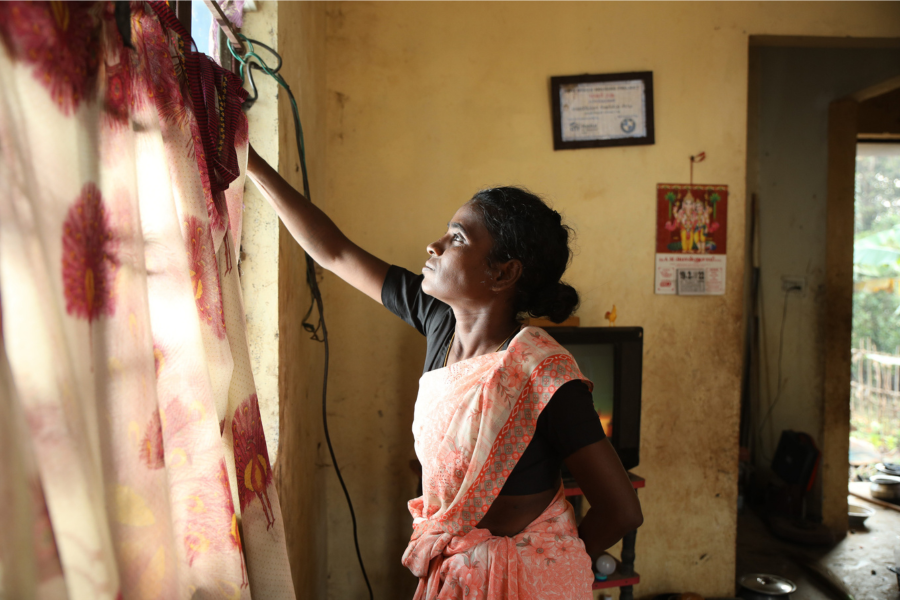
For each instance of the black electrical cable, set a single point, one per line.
(319, 331)
(780, 351)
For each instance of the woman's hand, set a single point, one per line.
(615, 509)
(254, 161)
(316, 233)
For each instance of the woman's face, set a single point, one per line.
(457, 268)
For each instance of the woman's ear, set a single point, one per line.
(506, 275)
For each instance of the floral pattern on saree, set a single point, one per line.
(473, 421)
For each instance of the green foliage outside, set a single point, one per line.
(877, 194)
(876, 315)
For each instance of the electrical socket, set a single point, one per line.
(790, 283)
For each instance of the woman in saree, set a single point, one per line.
(500, 406)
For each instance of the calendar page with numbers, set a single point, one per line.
(691, 240)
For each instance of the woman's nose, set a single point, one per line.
(434, 248)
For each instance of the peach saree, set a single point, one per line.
(473, 420)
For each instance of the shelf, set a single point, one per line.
(572, 488)
(617, 579)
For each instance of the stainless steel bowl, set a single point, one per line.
(760, 586)
(888, 469)
(858, 514)
(885, 487)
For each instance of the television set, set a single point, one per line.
(612, 358)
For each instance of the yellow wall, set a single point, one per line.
(428, 102)
(259, 241)
(301, 469)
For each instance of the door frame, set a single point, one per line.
(843, 132)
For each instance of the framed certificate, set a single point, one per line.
(591, 111)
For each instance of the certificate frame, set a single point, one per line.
(604, 139)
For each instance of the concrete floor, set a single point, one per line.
(860, 560)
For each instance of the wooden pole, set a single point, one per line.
(226, 25)
(838, 300)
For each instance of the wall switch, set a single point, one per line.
(790, 283)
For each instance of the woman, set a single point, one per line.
(500, 406)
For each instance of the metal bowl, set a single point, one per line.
(858, 514)
(888, 468)
(885, 487)
(760, 586)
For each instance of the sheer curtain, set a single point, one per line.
(134, 462)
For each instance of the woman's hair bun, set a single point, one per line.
(563, 304)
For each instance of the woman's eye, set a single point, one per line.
(457, 238)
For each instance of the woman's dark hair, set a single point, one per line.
(524, 228)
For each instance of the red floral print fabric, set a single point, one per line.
(251, 458)
(89, 259)
(155, 77)
(208, 509)
(118, 96)
(152, 451)
(204, 275)
(132, 370)
(61, 42)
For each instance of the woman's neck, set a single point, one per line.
(480, 332)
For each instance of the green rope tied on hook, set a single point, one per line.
(250, 61)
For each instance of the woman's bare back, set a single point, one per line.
(509, 515)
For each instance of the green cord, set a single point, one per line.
(261, 64)
(310, 265)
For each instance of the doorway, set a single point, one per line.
(805, 114)
(875, 339)
(802, 134)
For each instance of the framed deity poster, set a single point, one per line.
(691, 240)
(591, 111)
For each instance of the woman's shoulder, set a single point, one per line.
(540, 340)
(535, 346)
(545, 354)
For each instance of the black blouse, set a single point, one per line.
(568, 422)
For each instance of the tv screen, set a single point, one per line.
(612, 358)
(597, 362)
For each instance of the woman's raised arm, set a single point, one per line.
(316, 233)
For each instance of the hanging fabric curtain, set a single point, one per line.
(134, 463)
